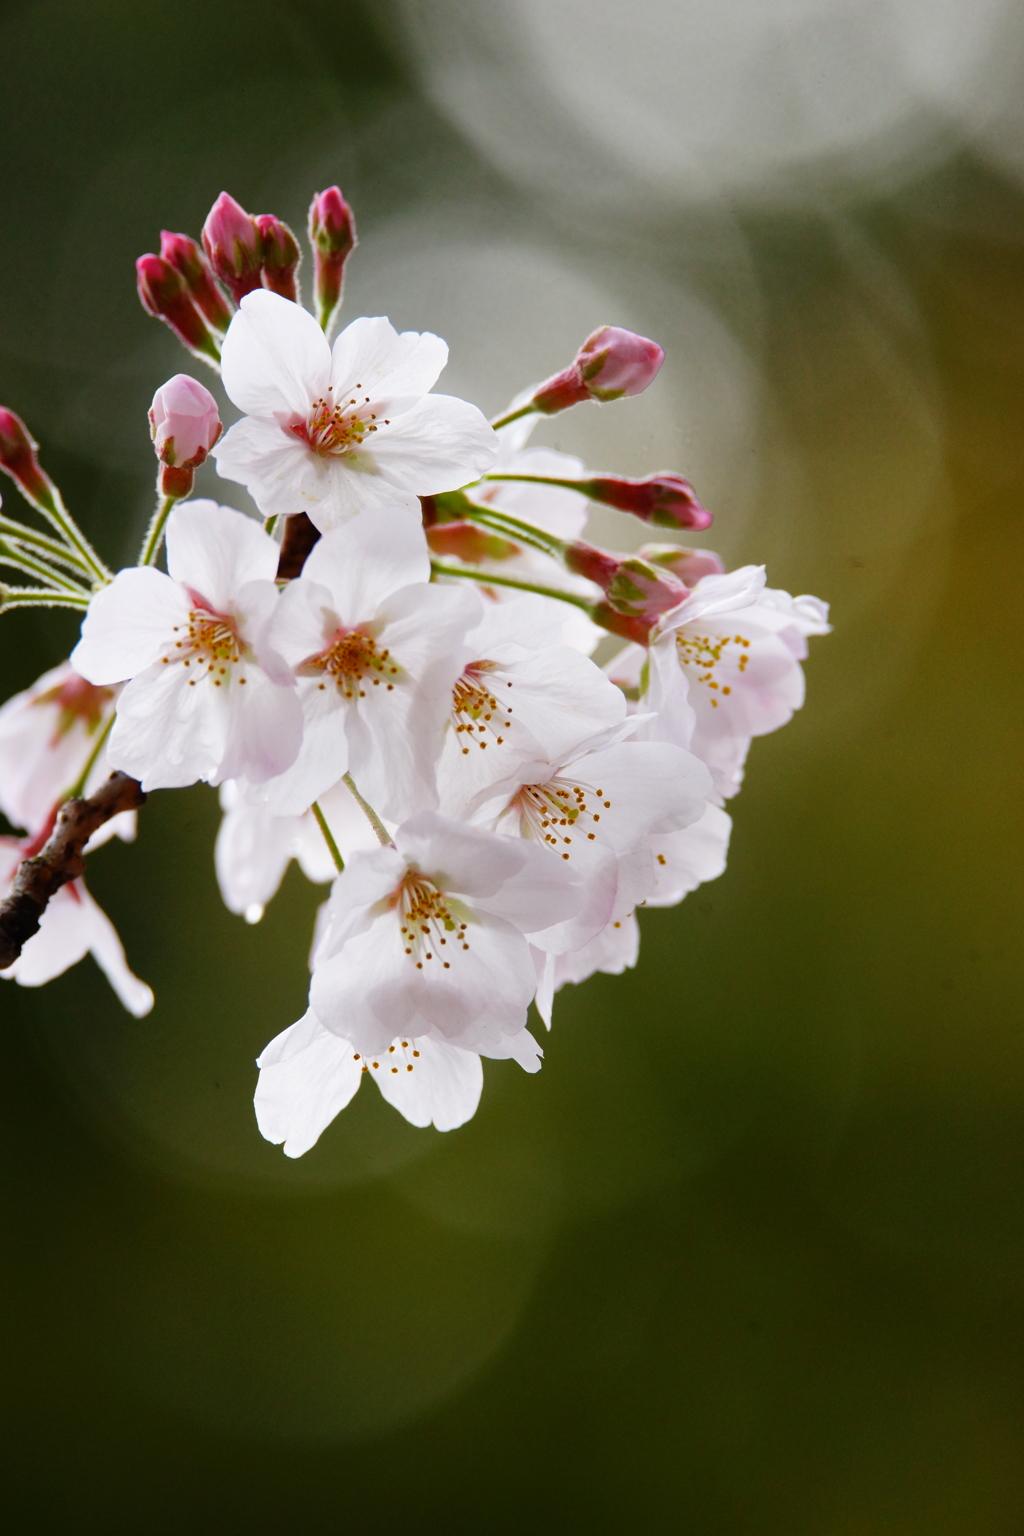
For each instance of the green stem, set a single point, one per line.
(486, 579)
(567, 485)
(55, 551)
(39, 597)
(332, 847)
(13, 555)
(383, 835)
(501, 522)
(155, 532)
(524, 410)
(57, 514)
(78, 788)
(271, 523)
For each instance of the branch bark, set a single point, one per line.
(299, 537)
(61, 860)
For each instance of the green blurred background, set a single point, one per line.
(748, 1255)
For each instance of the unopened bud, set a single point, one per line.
(636, 592)
(666, 500)
(332, 234)
(469, 542)
(19, 459)
(164, 294)
(232, 242)
(185, 424)
(688, 564)
(281, 256)
(191, 265)
(611, 363)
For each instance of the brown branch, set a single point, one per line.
(299, 538)
(40, 878)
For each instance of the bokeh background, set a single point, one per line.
(748, 1255)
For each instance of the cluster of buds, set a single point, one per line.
(195, 289)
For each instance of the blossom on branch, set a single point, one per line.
(332, 432)
(206, 698)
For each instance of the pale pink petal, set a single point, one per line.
(439, 444)
(214, 551)
(128, 625)
(371, 355)
(307, 1076)
(275, 358)
(441, 1087)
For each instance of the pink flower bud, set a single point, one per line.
(188, 260)
(666, 500)
(185, 424)
(281, 256)
(232, 242)
(164, 295)
(637, 592)
(611, 363)
(19, 459)
(332, 234)
(614, 362)
(688, 564)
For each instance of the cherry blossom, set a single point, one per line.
(207, 699)
(429, 937)
(376, 651)
(332, 432)
(593, 809)
(308, 1075)
(522, 695)
(72, 927)
(48, 735)
(724, 667)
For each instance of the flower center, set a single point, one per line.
(710, 657)
(400, 1056)
(558, 812)
(429, 926)
(475, 709)
(209, 645)
(336, 428)
(351, 660)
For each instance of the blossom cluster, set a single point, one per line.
(391, 676)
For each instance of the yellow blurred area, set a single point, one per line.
(748, 1254)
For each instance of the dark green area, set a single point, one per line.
(748, 1255)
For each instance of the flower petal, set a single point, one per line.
(275, 358)
(215, 550)
(307, 1076)
(128, 624)
(443, 1089)
(371, 355)
(437, 445)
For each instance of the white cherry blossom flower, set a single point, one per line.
(593, 809)
(336, 432)
(376, 650)
(207, 699)
(308, 1074)
(428, 937)
(523, 695)
(71, 927)
(724, 667)
(48, 733)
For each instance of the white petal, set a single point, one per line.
(438, 445)
(264, 730)
(215, 550)
(365, 561)
(441, 1088)
(615, 949)
(108, 952)
(252, 851)
(371, 354)
(168, 734)
(277, 468)
(684, 860)
(307, 1076)
(128, 624)
(64, 938)
(275, 357)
